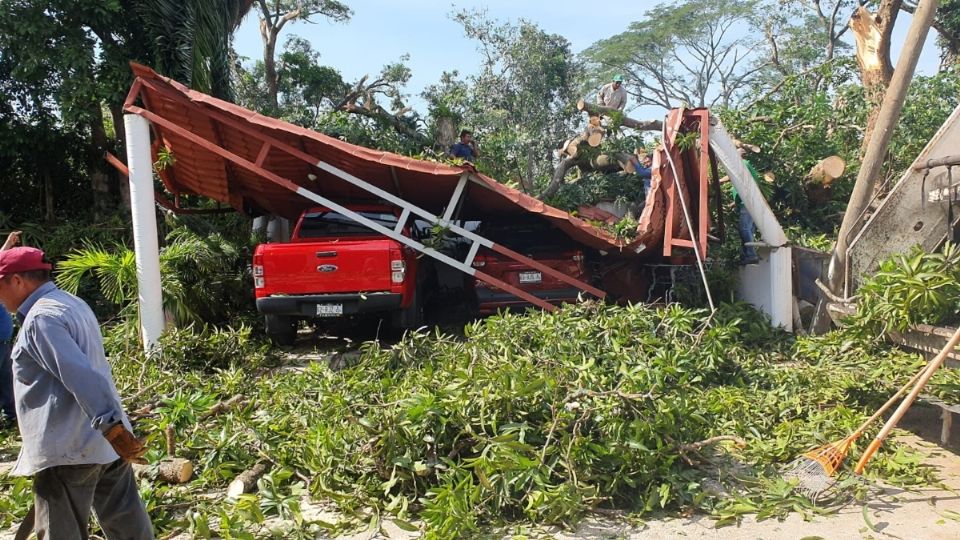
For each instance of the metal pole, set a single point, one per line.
(946, 161)
(873, 158)
(145, 242)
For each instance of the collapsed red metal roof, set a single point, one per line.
(255, 164)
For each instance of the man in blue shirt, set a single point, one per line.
(748, 253)
(8, 413)
(642, 167)
(465, 149)
(77, 441)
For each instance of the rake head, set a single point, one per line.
(814, 471)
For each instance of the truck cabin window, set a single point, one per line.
(327, 224)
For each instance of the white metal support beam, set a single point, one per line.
(359, 218)
(402, 222)
(401, 203)
(472, 254)
(450, 226)
(726, 151)
(146, 245)
(455, 199)
(769, 285)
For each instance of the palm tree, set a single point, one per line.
(200, 276)
(189, 40)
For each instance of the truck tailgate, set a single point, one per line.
(354, 265)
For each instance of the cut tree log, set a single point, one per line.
(600, 110)
(172, 470)
(246, 481)
(572, 146)
(827, 170)
(594, 136)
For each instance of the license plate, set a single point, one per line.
(530, 277)
(329, 310)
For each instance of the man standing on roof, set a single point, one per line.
(613, 94)
(77, 441)
(466, 149)
(642, 167)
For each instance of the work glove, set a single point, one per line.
(125, 444)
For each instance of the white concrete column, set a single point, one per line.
(278, 229)
(146, 246)
(781, 294)
(260, 225)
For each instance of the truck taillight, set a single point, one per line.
(258, 281)
(398, 267)
(479, 261)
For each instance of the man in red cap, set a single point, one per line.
(77, 441)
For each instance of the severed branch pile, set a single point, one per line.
(572, 154)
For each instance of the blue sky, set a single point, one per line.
(380, 31)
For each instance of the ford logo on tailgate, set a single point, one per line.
(327, 268)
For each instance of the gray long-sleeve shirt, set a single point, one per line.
(65, 394)
(608, 96)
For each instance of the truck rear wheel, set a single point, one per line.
(281, 329)
(411, 316)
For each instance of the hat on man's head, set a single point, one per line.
(618, 78)
(22, 259)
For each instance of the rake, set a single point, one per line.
(907, 402)
(814, 471)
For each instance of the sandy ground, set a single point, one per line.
(932, 513)
(894, 513)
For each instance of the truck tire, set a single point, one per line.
(410, 317)
(281, 329)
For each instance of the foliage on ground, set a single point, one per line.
(539, 417)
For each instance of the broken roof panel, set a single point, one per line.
(242, 153)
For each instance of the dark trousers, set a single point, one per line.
(7, 407)
(65, 494)
(747, 253)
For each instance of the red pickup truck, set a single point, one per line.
(544, 244)
(336, 267)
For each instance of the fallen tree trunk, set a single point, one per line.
(559, 173)
(600, 110)
(601, 163)
(611, 163)
(245, 481)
